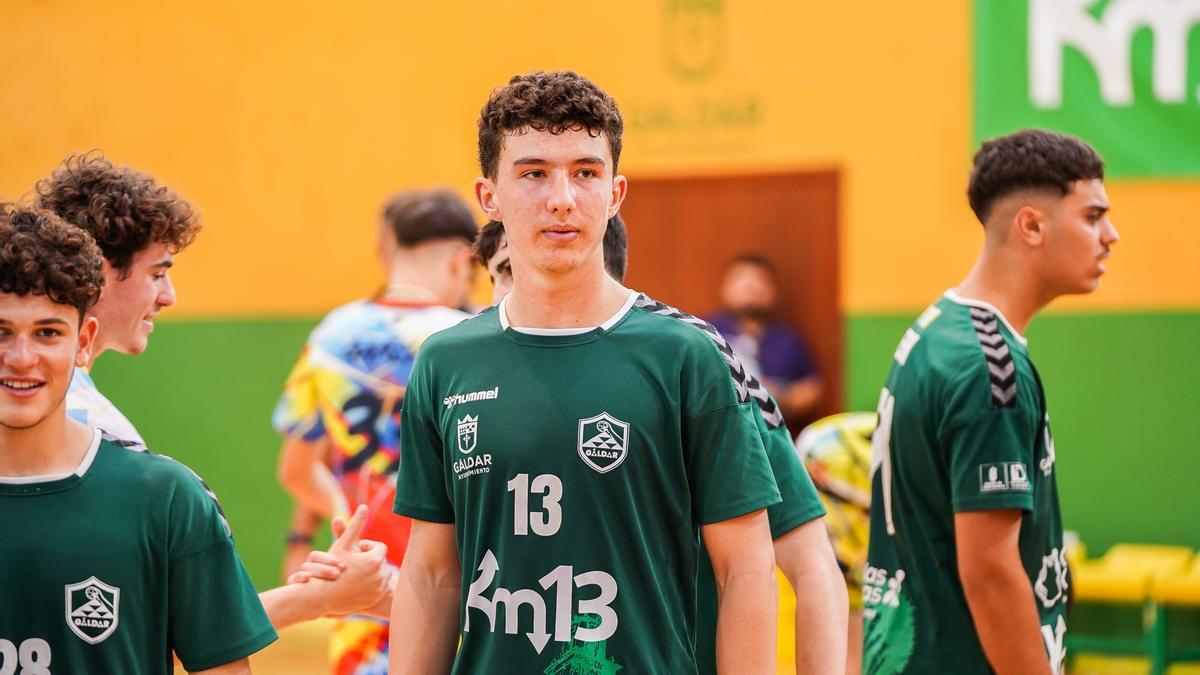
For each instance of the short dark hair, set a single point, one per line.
(40, 254)
(616, 245)
(422, 216)
(125, 211)
(1031, 159)
(754, 260)
(556, 102)
(488, 241)
(616, 248)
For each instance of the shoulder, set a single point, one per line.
(695, 338)
(463, 332)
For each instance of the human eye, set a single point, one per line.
(587, 173)
(46, 332)
(534, 173)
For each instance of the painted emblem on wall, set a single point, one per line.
(694, 37)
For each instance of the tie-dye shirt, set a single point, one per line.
(86, 404)
(348, 386)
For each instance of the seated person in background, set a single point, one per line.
(770, 349)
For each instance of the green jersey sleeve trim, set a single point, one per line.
(244, 649)
(740, 509)
(425, 513)
(994, 503)
(784, 521)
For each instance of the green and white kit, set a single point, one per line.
(576, 467)
(114, 567)
(962, 427)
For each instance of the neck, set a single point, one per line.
(57, 444)
(1004, 282)
(581, 298)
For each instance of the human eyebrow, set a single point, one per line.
(529, 161)
(589, 160)
(165, 264)
(46, 322)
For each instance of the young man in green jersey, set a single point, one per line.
(115, 559)
(139, 226)
(966, 571)
(802, 550)
(562, 448)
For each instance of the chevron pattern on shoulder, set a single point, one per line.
(748, 387)
(1002, 370)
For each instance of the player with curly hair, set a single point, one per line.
(117, 559)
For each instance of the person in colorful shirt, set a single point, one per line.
(342, 399)
(139, 226)
(836, 450)
(116, 560)
(966, 571)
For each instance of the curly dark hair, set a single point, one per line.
(556, 101)
(40, 254)
(1029, 159)
(124, 210)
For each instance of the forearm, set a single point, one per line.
(1001, 602)
(747, 617)
(807, 560)
(821, 621)
(295, 603)
(803, 395)
(424, 622)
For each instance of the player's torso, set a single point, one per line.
(913, 600)
(84, 593)
(565, 467)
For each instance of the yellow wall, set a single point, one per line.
(289, 124)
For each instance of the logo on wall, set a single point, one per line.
(1094, 70)
(694, 37)
(603, 442)
(92, 609)
(468, 431)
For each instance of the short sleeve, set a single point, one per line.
(420, 482)
(298, 413)
(728, 471)
(989, 449)
(215, 614)
(800, 501)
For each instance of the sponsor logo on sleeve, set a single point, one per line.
(93, 609)
(1003, 477)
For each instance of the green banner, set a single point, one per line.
(1123, 75)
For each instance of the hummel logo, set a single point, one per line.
(485, 395)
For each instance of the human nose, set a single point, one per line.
(20, 354)
(561, 200)
(166, 293)
(1110, 235)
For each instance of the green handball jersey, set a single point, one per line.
(962, 427)
(800, 505)
(576, 467)
(112, 568)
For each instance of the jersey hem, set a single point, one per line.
(421, 513)
(794, 520)
(242, 650)
(751, 505)
(1023, 502)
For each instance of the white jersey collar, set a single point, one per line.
(84, 465)
(971, 302)
(607, 325)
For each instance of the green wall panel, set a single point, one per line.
(1121, 387)
(1122, 396)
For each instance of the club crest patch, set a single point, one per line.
(468, 432)
(93, 609)
(603, 442)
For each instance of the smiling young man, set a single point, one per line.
(562, 448)
(966, 571)
(116, 559)
(139, 226)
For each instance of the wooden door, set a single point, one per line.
(683, 231)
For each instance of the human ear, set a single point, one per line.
(87, 341)
(620, 186)
(485, 194)
(1029, 225)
